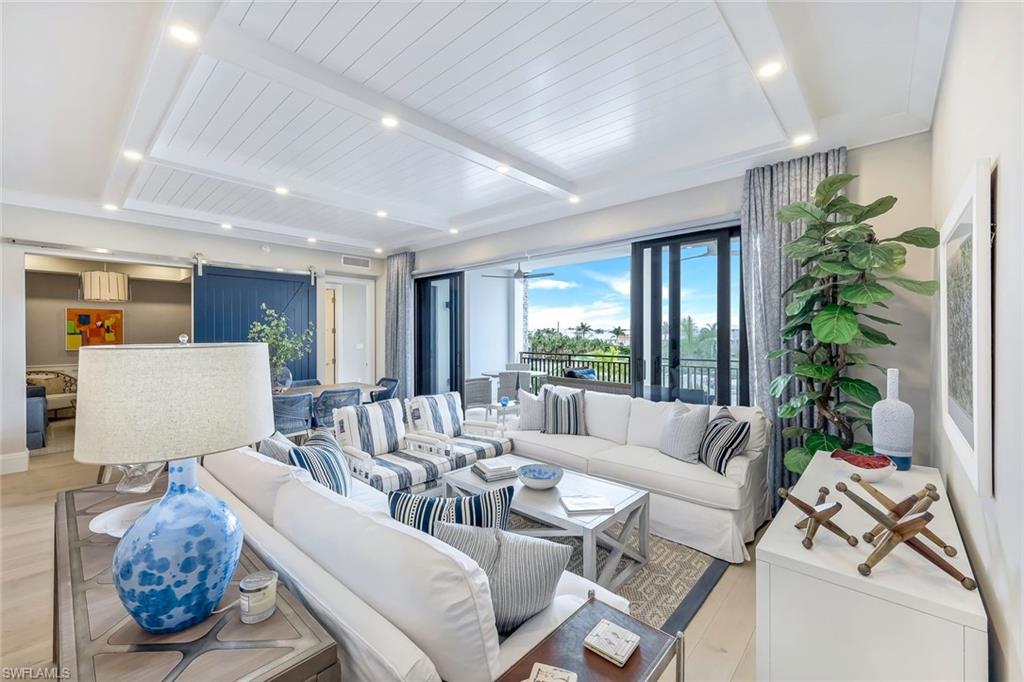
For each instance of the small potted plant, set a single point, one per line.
(283, 345)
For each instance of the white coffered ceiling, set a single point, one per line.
(507, 113)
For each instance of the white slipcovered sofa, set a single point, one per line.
(401, 604)
(690, 503)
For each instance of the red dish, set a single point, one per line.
(863, 461)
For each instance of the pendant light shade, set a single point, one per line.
(100, 285)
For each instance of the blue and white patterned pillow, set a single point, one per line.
(724, 438)
(563, 413)
(376, 428)
(321, 456)
(441, 413)
(487, 510)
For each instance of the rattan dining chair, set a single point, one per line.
(390, 388)
(293, 413)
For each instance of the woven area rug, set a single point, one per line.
(667, 591)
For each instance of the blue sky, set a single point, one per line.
(597, 293)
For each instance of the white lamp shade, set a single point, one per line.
(151, 403)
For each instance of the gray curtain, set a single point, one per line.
(398, 326)
(767, 271)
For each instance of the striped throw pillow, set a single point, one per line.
(441, 413)
(487, 510)
(563, 414)
(376, 428)
(522, 572)
(321, 456)
(724, 438)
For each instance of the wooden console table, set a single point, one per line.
(97, 641)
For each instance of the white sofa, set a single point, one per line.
(690, 503)
(401, 604)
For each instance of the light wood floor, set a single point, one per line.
(719, 640)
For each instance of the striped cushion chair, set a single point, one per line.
(380, 451)
(440, 417)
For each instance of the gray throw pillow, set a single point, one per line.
(523, 572)
(682, 428)
(277, 446)
(531, 411)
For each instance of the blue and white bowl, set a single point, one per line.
(540, 476)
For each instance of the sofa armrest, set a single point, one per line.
(359, 462)
(480, 428)
(430, 437)
(427, 442)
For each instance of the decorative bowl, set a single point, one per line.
(870, 468)
(540, 476)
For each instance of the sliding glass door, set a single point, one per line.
(687, 332)
(439, 327)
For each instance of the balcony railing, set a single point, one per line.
(693, 374)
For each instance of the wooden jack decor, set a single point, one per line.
(899, 509)
(818, 516)
(904, 530)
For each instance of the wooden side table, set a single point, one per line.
(563, 648)
(97, 641)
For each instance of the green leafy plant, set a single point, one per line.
(283, 345)
(833, 313)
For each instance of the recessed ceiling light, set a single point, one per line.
(226, 226)
(502, 168)
(452, 230)
(311, 240)
(101, 250)
(132, 155)
(281, 190)
(389, 122)
(278, 269)
(183, 34)
(378, 250)
(770, 69)
(574, 199)
(382, 214)
(110, 207)
(802, 139)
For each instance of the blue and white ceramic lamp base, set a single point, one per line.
(174, 564)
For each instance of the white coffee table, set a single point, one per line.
(632, 509)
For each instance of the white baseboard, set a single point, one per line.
(13, 462)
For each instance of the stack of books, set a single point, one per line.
(493, 470)
(586, 504)
(612, 642)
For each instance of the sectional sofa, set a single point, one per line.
(401, 604)
(690, 503)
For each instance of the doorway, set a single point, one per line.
(439, 328)
(349, 324)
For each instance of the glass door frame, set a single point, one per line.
(652, 334)
(425, 376)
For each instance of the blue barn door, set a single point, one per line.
(226, 301)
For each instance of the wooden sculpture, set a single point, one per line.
(818, 516)
(899, 509)
(904, 530)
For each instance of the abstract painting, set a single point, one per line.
(93, 327)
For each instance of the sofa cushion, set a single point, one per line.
(523, 572)
(651, 470)
(375, 429)
(253, 478)
(531, 411)
(723, 439)
(437, 596)
(468, 448)
(403, 470)
(645, 422)
(571, 452)
(682, 429)
(441, 413)
(321, 456)
(607, 415)
(563, 414)
(423, 512)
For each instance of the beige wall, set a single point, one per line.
(157, 313)
(979, 114)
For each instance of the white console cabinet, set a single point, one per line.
(819, 619)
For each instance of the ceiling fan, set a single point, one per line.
(521, 274)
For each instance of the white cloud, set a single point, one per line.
(618, 283)
(552, 284)
(599, 315)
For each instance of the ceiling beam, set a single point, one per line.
(229, 43)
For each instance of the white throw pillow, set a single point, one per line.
(645, 421)
(607, 415)
(531, 411)
(682, 429)
(254, 478)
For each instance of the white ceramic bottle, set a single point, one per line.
(892, 424)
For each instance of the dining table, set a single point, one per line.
(366, 390)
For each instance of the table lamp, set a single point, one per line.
(172, 403)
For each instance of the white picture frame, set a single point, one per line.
(965, 326)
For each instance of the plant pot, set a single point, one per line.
(280, 378)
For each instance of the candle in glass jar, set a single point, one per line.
(258, 596)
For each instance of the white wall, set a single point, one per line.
(979, 114)
(489, 328)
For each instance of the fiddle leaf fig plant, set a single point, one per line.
(836, 310)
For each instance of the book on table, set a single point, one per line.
(489, 471)
(612, 642)
(586, 504)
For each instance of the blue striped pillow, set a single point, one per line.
(321, 456)
(487, 510)
(563, 414)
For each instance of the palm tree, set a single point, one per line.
(618, 333)
(582, 330)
